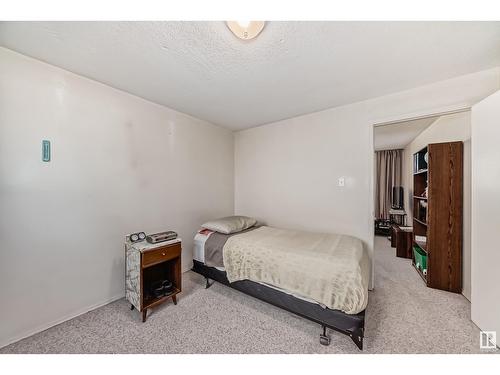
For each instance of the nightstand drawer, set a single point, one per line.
(161, 254)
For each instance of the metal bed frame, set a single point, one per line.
(351, 325)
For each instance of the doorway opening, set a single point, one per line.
(401, 194)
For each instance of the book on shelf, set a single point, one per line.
(394, 211)
(422, 239)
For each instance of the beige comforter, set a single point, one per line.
(330, 269)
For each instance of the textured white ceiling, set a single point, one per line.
(399, 135)
(291, 68)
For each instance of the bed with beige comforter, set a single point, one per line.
(330, 269)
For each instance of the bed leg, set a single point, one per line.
(357, 336)
(208, 283)
(324, 339)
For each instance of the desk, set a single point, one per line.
(397, 216)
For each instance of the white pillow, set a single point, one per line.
(230, 224)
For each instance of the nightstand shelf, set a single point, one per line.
(150, 301)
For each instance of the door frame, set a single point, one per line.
(394, 120)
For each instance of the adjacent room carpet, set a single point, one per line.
(403, 316)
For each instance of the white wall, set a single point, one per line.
(485, 309)
(119, 164)
(286, 172)
(122, 164)
(448, 128)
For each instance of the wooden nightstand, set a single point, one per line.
(146, 264)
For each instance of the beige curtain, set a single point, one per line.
(389, 170)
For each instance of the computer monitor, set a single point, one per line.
(397, 201)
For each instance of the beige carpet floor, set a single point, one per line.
(403, 316)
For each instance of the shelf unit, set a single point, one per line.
(420, 221)
(421, 171)
(421, 245)
(437, 213)
(424, 198)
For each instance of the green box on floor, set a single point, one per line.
(420, 258)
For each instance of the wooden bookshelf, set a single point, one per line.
(437, 213)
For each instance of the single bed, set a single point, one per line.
(321, 277)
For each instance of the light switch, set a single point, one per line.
(341, 182)
(45, 150)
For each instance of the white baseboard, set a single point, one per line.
(43, 327)
(79, 312)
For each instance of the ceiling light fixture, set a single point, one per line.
(246, 30)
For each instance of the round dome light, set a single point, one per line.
(245, 30)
